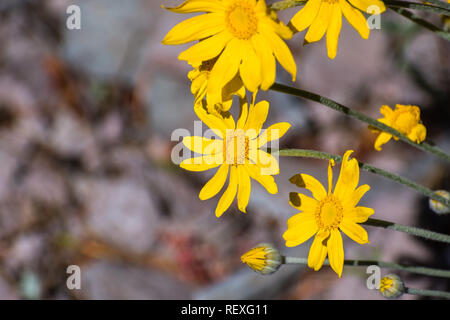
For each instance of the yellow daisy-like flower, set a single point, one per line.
(245, 36)
(236, 150)
(326, 16)
(405, 119)
(324, 214)
(200, 77)
(263, 258)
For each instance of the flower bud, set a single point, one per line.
(263, 258)
(437, 206)
(391, 286)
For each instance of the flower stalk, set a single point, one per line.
(428, 293)
(359, 116)
(389, 265)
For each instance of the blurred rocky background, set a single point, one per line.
(86, 179)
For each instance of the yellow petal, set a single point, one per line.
(354, 198)
(305, 16)
(300, 232)
(355, 18)
(206, 49)
(418, 133)
(213, 186)
(190, 6)
(281, 52)
(354, 231)
(383, 138)
(386, 111)
(317, 253)
(334, 30)
(250, 69)
(363, 5)
(195, 28)
(267, 163)
(243, 115)
(257, 116)
(274, 132)
(330, 175)
(268, 64)
(229, 194)
(360, 214)
(309, 182)
(199, 144)
(268, 182)
(320, 23)
(335, 249)
(302, 202)
(348, 177)
(202, 163)
(244, 188)
(215, 123)
(300, 218)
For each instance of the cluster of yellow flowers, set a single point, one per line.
(239, 43)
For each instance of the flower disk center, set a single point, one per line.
(236, 148)
(329, 213)
(241, 20)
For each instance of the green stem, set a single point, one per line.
(367, 167)
(428, 293)
(407, 229)
(389, 265)
(286, 4)
(417, 6)
(357, 115)
(440, 3)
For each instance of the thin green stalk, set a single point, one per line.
(359, 116)
(367, 167)
(440, 3)
(407, 229)
(389, 265)
(428, 293)
(417, 6)
(286, 4)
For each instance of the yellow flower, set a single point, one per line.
(326, 212)
(244, 35)
(326, 16)
(263, 258)
(236, 150)
(200, 77)
(391, 286)
(405, 119)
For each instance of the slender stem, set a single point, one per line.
(286, 4)
(367, 167)
(417, 6)
(428, 293)
(389, 265)
(407, 229)
(357, 115)
(440, 3)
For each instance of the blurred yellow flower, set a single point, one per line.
(391, 286)
(236, 150)
(245, 36)
(405, 119)
(326, 16)
(200, 77)
(326, 212)
(263, 258)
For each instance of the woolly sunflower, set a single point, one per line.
(244, 36)
(236, 150)
(324, 214)
(404, 119)
(325, 16)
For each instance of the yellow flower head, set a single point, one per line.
(391, 286)
(324, 214)
(326, 16)
(200, 77)
(236, 150)
(405, 119)
(263, 258)
(243, 35)
(437, 206)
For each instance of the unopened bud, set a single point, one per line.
(263, 258)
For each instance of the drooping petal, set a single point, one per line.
(382, 138)
(244, 188)
(305, 16)
(268, 64)
(354, 231)
(195, 28)
(334, 29)
(274, 132)
(418, 133)
(229, 194)
(320, 23)
(213, 186)
(268, 182)
(309, 182)
(202, 163)
(317, 253)
(206, 49)
(348, 177)
(355, 18)
(302, 202)
(190, 6)
(335, 249)
(250, 69)
(215, 123)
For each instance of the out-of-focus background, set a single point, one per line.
(86, 179)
